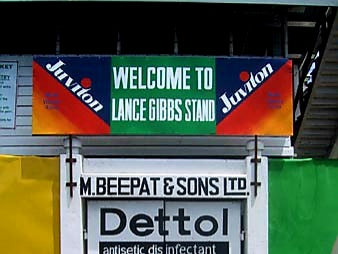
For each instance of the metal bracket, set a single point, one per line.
(85, 234)
(242, 235)
(71, 184)
(256, 160)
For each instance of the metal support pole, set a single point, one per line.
(118, 44)
(175, 42)
(57, 42)
(285, 36)
(256, 160)
(231, 44)
(71, 147)
(255, 149)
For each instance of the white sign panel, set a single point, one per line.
(163, 227)
(8, 74)
(164, 186)
(163, 206)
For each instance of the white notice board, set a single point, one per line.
(163, 206)
(8, 76)
(163, 227)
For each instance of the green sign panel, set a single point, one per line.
(153, 96)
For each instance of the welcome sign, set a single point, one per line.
(162, 95)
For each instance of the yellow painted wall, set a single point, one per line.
(29, 205)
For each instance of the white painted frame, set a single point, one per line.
(72, 234)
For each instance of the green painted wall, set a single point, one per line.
(303, 206)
